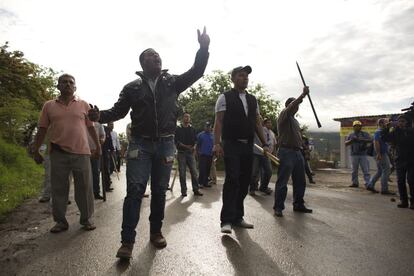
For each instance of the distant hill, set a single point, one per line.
(325, 143)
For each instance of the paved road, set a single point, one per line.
(351, 232)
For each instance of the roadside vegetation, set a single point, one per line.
(24, 87)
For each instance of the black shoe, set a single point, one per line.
(353, 186)
(197, 193)
(109, 189)
(312, 181)
(403, 205)
(207, 185)
(183, 194)
(302, 209)
(372, 189)
(388, 193)
(44, 199)
(266, 191)
(98, 197)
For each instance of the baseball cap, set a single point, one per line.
(246, 69)
(356, 123)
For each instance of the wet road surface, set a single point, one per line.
(351, 232)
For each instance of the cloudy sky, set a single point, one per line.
(356, 56)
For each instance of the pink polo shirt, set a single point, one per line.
(67, 124)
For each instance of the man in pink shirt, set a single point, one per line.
(68, 125)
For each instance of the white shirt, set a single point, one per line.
(115, 141)
(100, 132)
(221, 104)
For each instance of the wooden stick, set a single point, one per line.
(272, 158)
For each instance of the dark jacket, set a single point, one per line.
(155, 114)
(403, 140)
(186, 136)
(236, 125)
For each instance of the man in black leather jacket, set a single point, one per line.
(153, 100)
(402, 137)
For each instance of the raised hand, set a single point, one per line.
(203, 39)
(93, 113)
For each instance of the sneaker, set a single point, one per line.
(278, 213)
(403, 205)
(372, 189)
(89, 226)
(226, 228)
(158, 240)
(302, 209)
(198, 193)
(243, 224)
(353, 186)
(44, 199)
(125, 251)
(388, 193)
(59, 227)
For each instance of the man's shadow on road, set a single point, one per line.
(247, 257)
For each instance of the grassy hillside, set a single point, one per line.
(325, 142)
(20, 177)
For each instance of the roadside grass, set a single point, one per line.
(20, 177)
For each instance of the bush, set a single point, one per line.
(20, 177)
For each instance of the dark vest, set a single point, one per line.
(236, 125)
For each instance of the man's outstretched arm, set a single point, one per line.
(197, 70)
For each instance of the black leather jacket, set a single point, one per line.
(154, 114)
(403, 140)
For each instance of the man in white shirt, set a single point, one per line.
(117, 149)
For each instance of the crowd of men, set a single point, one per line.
(387, 147)
(77, 146)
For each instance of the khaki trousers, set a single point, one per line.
(62, 164)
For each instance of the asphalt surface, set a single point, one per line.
(351, 232)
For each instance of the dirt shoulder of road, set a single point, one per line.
(23, 226)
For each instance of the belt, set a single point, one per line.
(158, 139)
(291, 147)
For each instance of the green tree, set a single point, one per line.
(24, 87)
(200, 100)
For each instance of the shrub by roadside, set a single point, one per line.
(20, 177)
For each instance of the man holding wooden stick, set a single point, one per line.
(291, 158)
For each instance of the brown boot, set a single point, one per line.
(158, 240)
(125, 251)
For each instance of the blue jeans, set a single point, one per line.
(360, 160)
(263, 167)
(186, 158)
(238, 158)
(145, 158)
(291, 163)
(383, 171)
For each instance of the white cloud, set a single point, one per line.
(356, 55)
